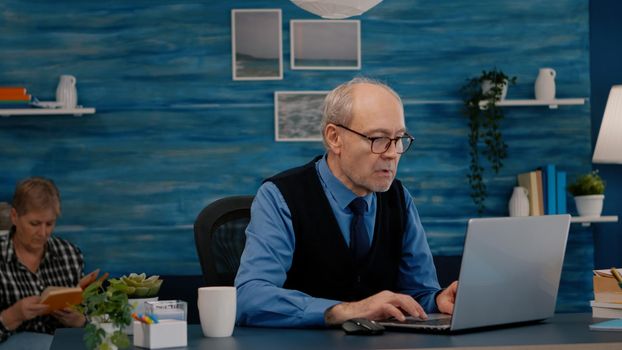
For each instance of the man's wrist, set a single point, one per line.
(336, 314)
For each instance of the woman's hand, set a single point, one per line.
(23, 310)
(69, 317)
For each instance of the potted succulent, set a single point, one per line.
(107, 311)
(588, 192)
(481, 95)
(139, 289)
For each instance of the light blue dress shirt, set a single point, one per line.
(270, 243)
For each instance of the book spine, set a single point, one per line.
(605, 312)
(537, 180)
(550, 189)
(560, 183)
(12, 90)
(14, 97)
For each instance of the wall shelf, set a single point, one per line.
(77, 112)
(553, 104)
(587, 220)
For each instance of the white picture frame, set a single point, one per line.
(256, 45)
(325, 44)
(297, 115)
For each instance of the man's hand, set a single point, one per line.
(446, 299)
(69, 317)
(23, 310)
(377, 307)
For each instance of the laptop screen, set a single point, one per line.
(510, 270)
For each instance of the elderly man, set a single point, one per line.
(340, 237)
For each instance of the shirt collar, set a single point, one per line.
(335, 188)
(10, 255)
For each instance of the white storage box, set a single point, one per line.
(164, 334)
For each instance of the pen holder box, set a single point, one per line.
(164, 334)
(606, 289)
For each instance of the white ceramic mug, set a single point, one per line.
(217, 310)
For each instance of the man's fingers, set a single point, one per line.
(410, 306)
(393, 311)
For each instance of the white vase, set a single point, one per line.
(519, 203)
(66, 92)
(591, 205)
(487, 85)
(108, 329)
(545, 84)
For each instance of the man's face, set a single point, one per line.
(376, 112)
(33, 229)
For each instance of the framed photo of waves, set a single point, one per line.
(325, 44)
(256, 48)
(297, 115)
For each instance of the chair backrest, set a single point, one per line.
(219, 236)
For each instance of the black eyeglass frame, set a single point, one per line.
(406, 136)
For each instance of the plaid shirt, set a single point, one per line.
(62, 265)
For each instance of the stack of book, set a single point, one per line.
(607, 301)
(14, 97)
(546, 188)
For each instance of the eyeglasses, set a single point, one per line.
(381, 144)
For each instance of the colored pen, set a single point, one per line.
(617, 276)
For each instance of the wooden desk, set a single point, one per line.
(564, 331)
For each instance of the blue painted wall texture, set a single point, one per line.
(174, 132)
(605, 58)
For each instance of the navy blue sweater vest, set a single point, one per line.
(322, 265)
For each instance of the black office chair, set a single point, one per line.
(219, 237)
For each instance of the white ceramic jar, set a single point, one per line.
(519, 202)
(66, 92)
(545, 84)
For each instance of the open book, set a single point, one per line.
(61, 297)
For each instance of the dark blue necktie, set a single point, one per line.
(359, 239)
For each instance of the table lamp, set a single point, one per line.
(336, 9)
(608, 148)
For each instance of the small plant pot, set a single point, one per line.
(108, 329)
(591, 205)
(488, 84)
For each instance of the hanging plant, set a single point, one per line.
(481, 95)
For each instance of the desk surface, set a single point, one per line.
(564, 331)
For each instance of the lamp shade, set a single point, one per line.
(609, 143)
(336, 9)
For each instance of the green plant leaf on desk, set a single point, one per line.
(105, 305)
(138, 285)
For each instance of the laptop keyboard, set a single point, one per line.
(436, 322)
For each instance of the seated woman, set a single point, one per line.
(31, 259)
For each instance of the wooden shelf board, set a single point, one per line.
(551, 103)
(46, 111)
(591, 219)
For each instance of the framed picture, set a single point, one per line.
(256, 49)
(297, 115)
(325, 44)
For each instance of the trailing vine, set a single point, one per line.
(484, 136)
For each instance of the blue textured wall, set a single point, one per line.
(605, 57)
(173, 132)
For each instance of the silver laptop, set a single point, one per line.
(510, 273)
